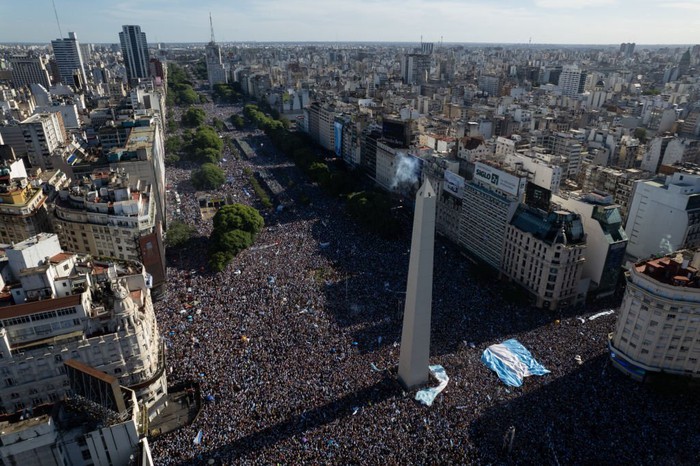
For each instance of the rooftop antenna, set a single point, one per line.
(211, 25)
(55, 12)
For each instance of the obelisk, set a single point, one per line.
(415, 337)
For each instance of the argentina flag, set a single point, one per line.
(512, 362)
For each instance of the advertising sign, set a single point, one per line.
(454, 184)
(497, 178)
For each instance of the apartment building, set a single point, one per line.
(112, 215)
(56, 307)
(658, 327)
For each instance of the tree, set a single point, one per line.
(187, 96)
(208, 177)
(238, 217)
(194, 117)
(218, 124)
(178, 234)
(234, 241)
(235, 229)
(238, 121)
(173, 144)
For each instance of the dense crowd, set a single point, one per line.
(296, 343)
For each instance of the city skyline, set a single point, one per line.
(472, 21)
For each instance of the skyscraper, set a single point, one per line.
(69, 60)
(134, 51)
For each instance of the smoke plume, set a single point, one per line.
(406, 173)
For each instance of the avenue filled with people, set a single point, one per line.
(295, 346)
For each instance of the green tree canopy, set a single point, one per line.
(208, 177)
(194, 117)
(238, 217)
(235, 228)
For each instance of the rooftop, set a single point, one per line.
(674, 269)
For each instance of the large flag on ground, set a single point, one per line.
(512, 362)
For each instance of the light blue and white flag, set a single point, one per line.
(198, 438)
(512, 362)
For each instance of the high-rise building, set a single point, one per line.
(69, 60)
(570, 80)
(415, 68)
(134, 51)
(657, 328)
(664, 215)
(489, 202)
(28, 70)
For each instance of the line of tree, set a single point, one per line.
(180, 90)
(230, 93)
(372, 208)
(235, 229)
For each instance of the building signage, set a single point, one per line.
(454, 184)
(497, 178)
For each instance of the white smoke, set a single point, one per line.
(406, 172)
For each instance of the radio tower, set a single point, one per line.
(55, 12)
(211, 25)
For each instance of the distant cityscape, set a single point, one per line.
(216, 238)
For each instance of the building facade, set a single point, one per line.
(664, 215)
(28, 70)
(489, 201)
(69, 60)
(43, 135)
(60, 306)
(134, 52)
(111, 215)
(543, 252)
(23, 211)
(606, 240)
(658, 327)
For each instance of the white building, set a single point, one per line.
(109, 215)
(606, 239)
(60, 306)
(570, 80)
(658, 328)
(43, 134)
(664, 215)
(545, 174)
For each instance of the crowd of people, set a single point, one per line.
(295, 347)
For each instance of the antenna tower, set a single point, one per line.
(211, 25)
(55, 12)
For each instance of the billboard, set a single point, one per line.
(497, 178)
(338, 130)
(454, 184)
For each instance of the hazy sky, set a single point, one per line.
(545, 21)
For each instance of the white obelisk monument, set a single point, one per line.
(415, 337)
